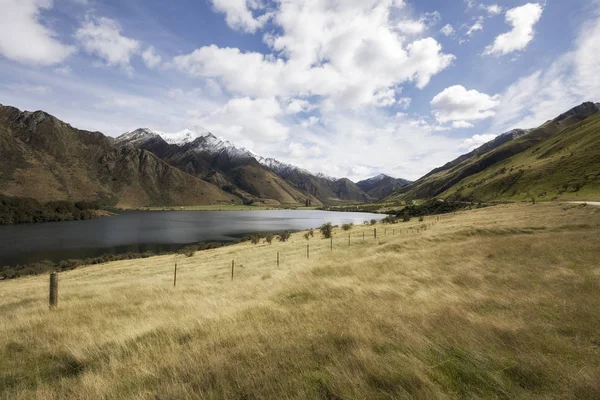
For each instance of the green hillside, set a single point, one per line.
(558, 160)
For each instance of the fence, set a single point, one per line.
(53, 288)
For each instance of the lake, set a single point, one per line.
(156, 231)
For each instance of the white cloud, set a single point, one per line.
(296, 106)
(492, 9)
(476, 141)
(25, 39)
(33, 89)
(413, 27)
(522, 19)
(544, 94)
(151, 58)
(462, 124)
(448, 30)
(239, 14)
(247, 121)
(64, 70)
(459, 104)
(348, 53)
(477, 26)
(102, 37)
(310, 121)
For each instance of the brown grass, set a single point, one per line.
(495, 303)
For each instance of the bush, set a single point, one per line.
(366, 223)
(269, 238)
(373, 221)
(326, 230)
(421, 218)
(284, 236)
(311, 233)
(390, 219)
(307, 236)
(406, 217)
(347, 227)
(255, 238)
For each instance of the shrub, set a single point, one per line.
(307, 236)
(366, 223)
(326, 230)
(311, 233)
(269, 238)
(421, 218)
(347, 227)
(255, 238)
(373, 221)
(390, 219)
(405, 217)
(284, 236)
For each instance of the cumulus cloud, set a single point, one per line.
(247, 121)
(459, 104)
(350, 54)
(151, 58)
(23, 38)
(477, 26)
(102, 37)
(522, 19)
(239, 14)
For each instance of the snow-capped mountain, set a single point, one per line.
(249, 175)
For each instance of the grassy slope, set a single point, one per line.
(567, 166)
(559, 160)
(496, 303)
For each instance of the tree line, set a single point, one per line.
(20, 210)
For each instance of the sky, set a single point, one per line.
(349, 88)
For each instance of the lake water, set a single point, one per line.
(151, 231)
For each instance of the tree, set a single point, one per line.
(373, 221)
(347, 227)
(255, 238)
(307, 236)
(326, 230)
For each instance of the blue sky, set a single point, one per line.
(345, 87)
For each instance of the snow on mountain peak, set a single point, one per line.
(185, 136)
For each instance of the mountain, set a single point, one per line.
(327, 189)
(47, 159)
(558, 160)
(232, 168)
(381, 186)
(240, 171)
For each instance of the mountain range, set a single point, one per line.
(47, 159)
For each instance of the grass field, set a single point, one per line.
(494, 303)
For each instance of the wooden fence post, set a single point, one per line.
(348, 239)
(374, 233)
(175, 276)
(232, 268)
(331, 243)
(307, 251)
(53, 299)
(278, 259)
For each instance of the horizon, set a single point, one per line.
(405, 87)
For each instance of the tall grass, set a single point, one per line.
(495, 303)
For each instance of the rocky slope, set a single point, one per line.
(381, 186)
(47, 159)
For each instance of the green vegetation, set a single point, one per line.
(326, 230)
(19, 210)
(347, 227)
(559, 160)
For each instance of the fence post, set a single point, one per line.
(331, 243)
(278, 259)
(348, 239)
(175, 276)
(363, 236)
(374, 233)
(307, 251)
(53, 299)
(232, 268)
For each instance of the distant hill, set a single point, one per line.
(48, 160)
(381, 185)
(558, 160)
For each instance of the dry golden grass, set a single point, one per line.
(495, 303)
